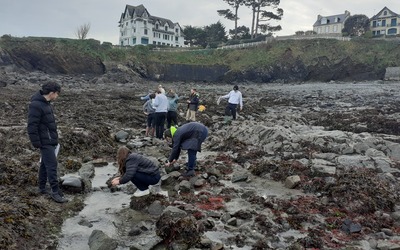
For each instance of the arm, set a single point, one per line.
(176, 147)
(33, 124)
(241, 101)
(226, 96)
(131, 168)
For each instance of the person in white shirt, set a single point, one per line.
(161, 108)
(234, 99)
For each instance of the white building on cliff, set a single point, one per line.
(137, 27)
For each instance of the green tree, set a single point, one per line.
(233, 16)
(215, 34)
(356, 25)
(261, 16)
(242, 32)
(193, 35)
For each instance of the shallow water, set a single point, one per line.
(99, 211)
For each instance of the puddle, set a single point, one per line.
(99, 211)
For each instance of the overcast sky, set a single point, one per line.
(61, 18)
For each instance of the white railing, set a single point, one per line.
(254, 44)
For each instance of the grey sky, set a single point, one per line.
(61, 18)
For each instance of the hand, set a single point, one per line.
(115, 181)
(170, 163)
(241, 108)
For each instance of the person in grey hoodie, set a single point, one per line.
(172, 115)
(42, 131)
(149, 110)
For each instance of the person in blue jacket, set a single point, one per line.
(138, 169)
(188, 137)
(42, 131)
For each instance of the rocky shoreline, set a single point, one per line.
(304, 166)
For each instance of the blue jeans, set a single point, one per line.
(48, 168)
(143, 180)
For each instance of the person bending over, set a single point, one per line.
(188, 137)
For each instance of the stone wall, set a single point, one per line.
(392, 74)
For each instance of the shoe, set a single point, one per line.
(156, 188)
(58, 198)
(43, 191)
(140, 193)
(189, 173)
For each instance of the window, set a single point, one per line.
(176, 30)
(145, 40)
(144, 22)
(374, 24)
(166, 28)
(393, 22)
(392, 31)
(335, 29)
(383, 23)
(176, 39)
(145, 31)
(133, 40)
(385, 13)
(327, 29)
(157, 26)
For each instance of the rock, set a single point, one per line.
(292, 181)
(98, 240)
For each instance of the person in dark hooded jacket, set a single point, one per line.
(188, 137)
(138, 169)
(42, 131)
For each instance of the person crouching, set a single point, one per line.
(138, 169)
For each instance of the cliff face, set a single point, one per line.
(48, 56)
(290, 62)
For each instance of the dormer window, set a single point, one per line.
(166, 28)
(385, 13)
(157, 26)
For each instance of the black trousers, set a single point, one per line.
(231, 110)
(159, 124)
(172, 117)
(48, 168)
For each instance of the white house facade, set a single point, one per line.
(138, 27)
(330, 24)
(386, 22)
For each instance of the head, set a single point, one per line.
(122, 154)
(193, 91)
(51, 90)
(171, 93)
(235, 88)
(169, 134)
(160, 86)
(152, 96)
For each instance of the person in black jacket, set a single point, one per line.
(193, 104)
(138, 169)
(42, 131)
(188, 137)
